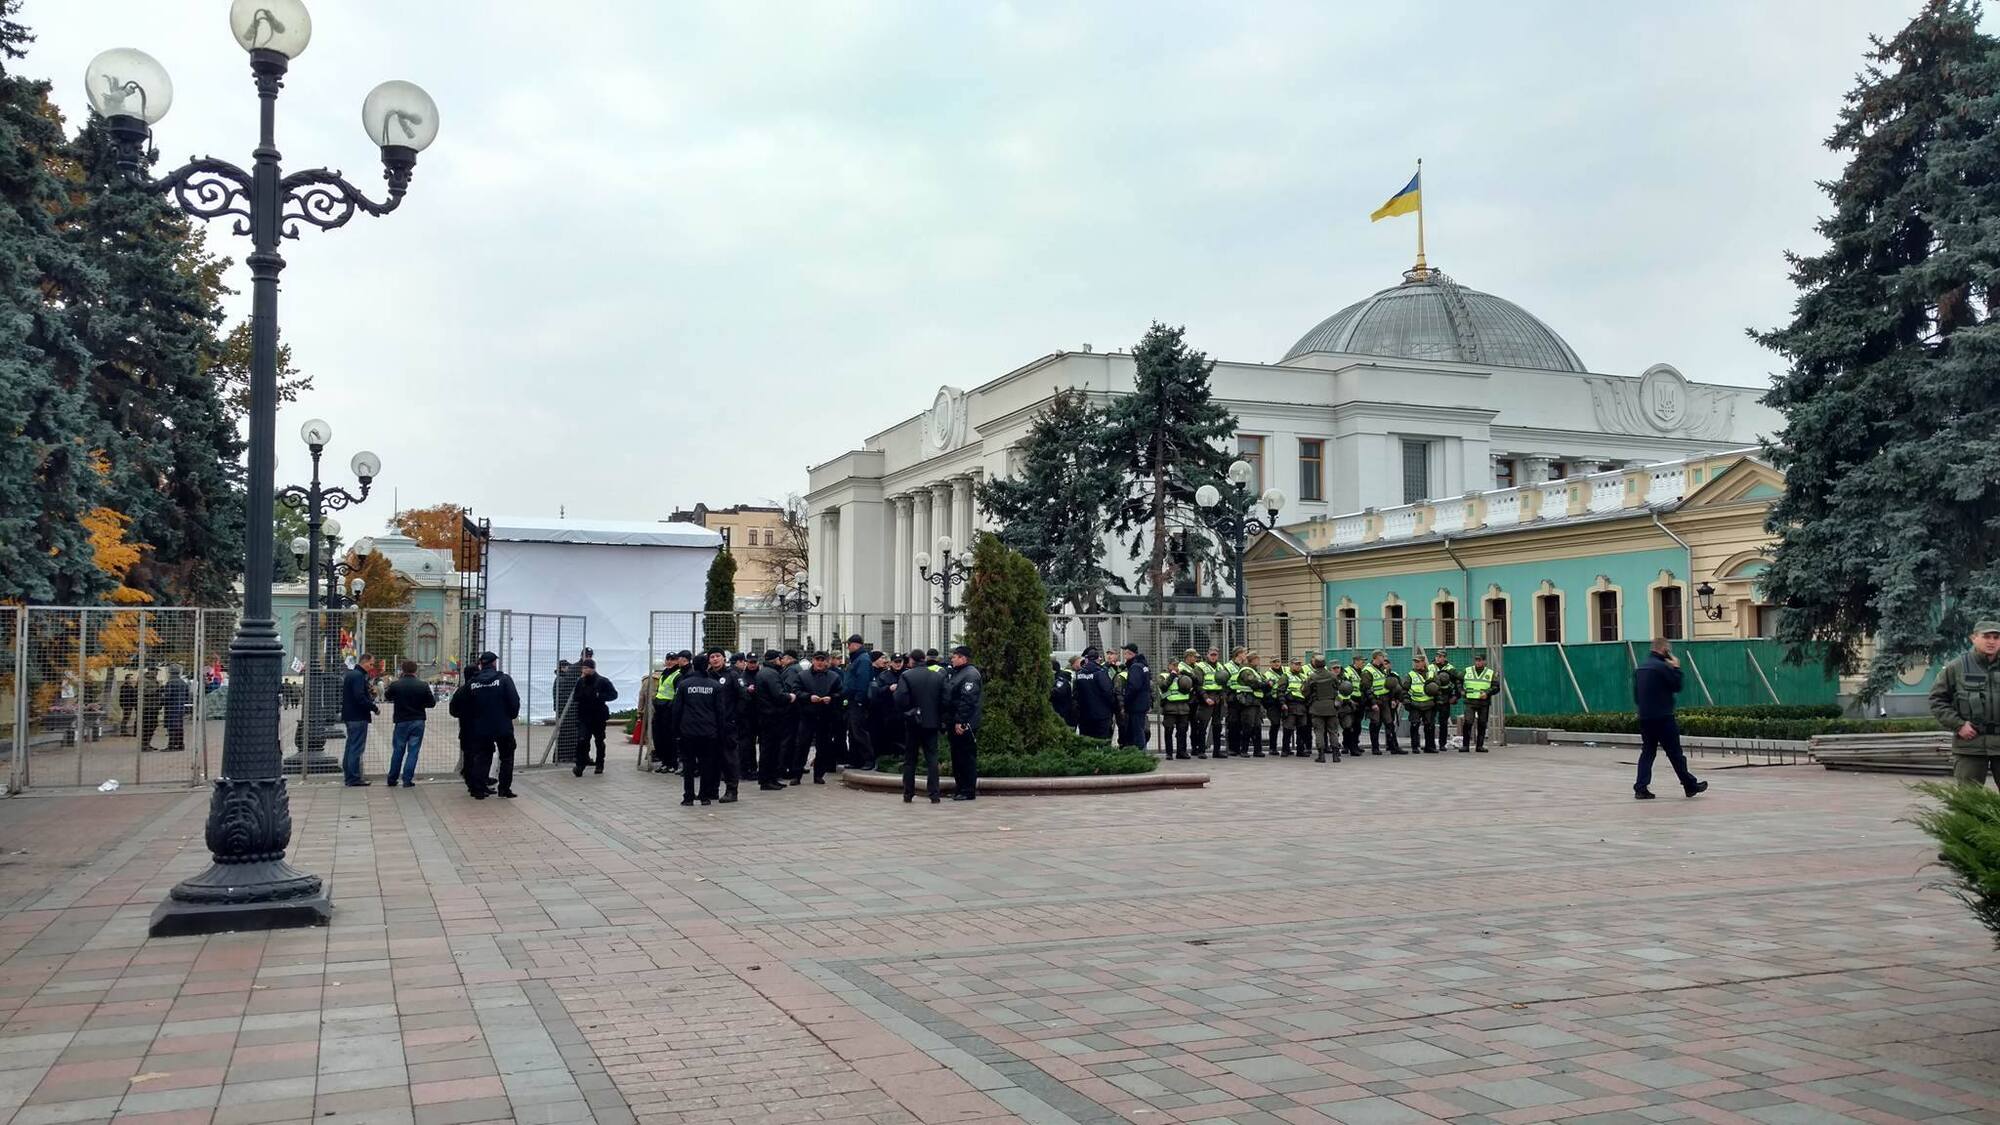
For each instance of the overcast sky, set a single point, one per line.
(665, 252)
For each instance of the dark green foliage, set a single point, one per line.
(1890, 525)
(718, 625)
(48, 432)
(1072, 756)
(1165, 440)
(1007, 629)
(1966, 825)
(1054, 512)
(151, 330)
(1698, 724)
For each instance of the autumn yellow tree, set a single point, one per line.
(440, 527)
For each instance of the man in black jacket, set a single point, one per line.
(1095, 703)
(773, 700)
(1062, 696)
(1655, 682)
(820, 710)
(1138, 698)
(357, 707)
(409, 699)
(965, 695)
(705, 715)
(591, 698)
(886, 724)
(485, 706)
(920, 698)
(743, 671)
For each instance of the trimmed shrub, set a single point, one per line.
(1006, 627)
(1701, 724)
(1075, 757)
(1966, 825)
(718, 624)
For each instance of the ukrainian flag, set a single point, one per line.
(1411, 198)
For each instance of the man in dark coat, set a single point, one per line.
(486, 705)
(854, 681)
(590, 699)
(773, 698)
(176, 700)
(705, 715)
(410, 700)
(1094, 701)
(885, 719)
(1655, 682)
(1062, 696)
(920, 697)
(128, 705)
(1138, 698)
(357, 707)
(820, 711)
(743, 671)
(965, 696)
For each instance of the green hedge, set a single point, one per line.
(1966, 825)
(1708, 724)
(1079, 757)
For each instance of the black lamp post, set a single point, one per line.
(798, 598)
(249, 885)
(953, 570)
(1704, 596)
(319, 711)
(1234, 520)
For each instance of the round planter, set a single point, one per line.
(876, 781)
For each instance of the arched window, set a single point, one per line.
(299, 636)
(425, 651)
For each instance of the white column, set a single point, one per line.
(816, 556)
(981, 521)
(833, 600)
(920, 543)
(941, 524)
(899, 566)
(961, 510)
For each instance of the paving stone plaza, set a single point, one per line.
(1503, 938)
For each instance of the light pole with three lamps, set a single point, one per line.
(953, 570)
(1235, 521)
(797, 598)
(249, 886)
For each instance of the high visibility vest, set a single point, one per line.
(1418, 685)
(1378, 685)
(1478, 684)
(1209, 683)
(1347, 684)
(1229, 668)
(669, 684)
(1176, 693)
(1247, 679)
(1298, 684)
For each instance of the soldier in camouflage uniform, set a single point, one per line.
(1966, 701)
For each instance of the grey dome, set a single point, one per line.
(1429, 316)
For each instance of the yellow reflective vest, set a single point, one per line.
(669, 684)
(1478, 684)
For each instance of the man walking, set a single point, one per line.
(1966, 701)
(705, 716)
(1138, 698)
(590, 698)
(1478, 684)
(409, 699)
(1095, 704)
(486, 705)
(920, 697)
(1655, 682)
(357, 707)
(967, 694)
(774, 721)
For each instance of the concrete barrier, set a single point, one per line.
(876, 781)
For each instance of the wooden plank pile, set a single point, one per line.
(1924, 752)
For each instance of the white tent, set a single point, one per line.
(613, 572)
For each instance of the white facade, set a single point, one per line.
(1390, 428)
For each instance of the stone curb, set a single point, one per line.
(1107, 783)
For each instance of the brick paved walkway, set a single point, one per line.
(1504, 938)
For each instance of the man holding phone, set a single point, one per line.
(1655, 682)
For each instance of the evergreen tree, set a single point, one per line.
(1890, 524)
(1054, 512)
(718, 628)
(1008, 634)
(152, 331)
(48, 432)
(1165, 440)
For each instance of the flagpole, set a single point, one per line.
(1421, 269)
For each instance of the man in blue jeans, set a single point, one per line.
(357, 707)
(1655, 682)
(408, 699)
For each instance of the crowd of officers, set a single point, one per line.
(719, 718)
(1238, 708)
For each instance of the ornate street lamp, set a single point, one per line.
(798, 598)
(952, 571)
(1234, 520)
(250, 886)
(1704, 596)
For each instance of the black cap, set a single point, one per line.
(489, 657)
(793, 653)
(821, 655)
(771, 654)
(713, 652)
(856, 640)
(1132, 648)
(961, 650)
(1091, 653)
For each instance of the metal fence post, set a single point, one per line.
(17, 769)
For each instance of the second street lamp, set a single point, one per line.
(797, 598)
(249, 886)
(1234, 520)
(951, 571)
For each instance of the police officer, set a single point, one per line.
(1232, 717)
(705, 717)
(743, 671)
(1274, 701)
(1246, 690)
(1966, 701)
(664, 686)
(1178, 686)
(920, 699)
(774, 721)
(821, 707)
(1095, 701)
(1062, 695)
(1298, 732)
(1352, 704)
(1323, 704)
(965, 694)
(1417, 691)
(794, 670)
(1382, 690)
(886, 733)
(486, 706)
(1446, 691)
(1478, 683)
(1207, 709)
(1136, 697)
(859, 669)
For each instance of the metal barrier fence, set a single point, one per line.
(138, 695)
